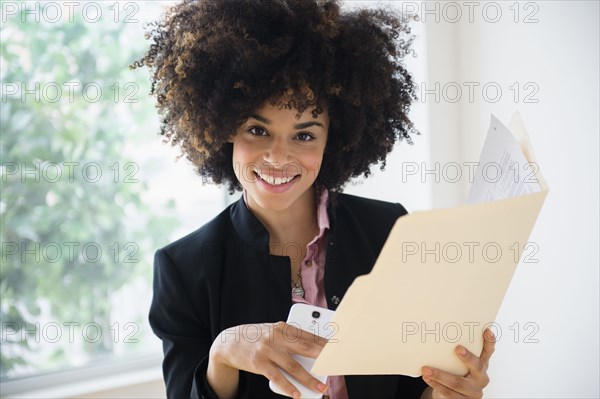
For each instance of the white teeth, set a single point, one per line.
(275, 181)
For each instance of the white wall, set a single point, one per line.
(558, 54)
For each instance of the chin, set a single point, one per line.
(276, 202)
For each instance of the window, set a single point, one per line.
(89, 191)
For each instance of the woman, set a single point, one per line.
(285, 100)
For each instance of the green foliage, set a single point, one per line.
(42, 211)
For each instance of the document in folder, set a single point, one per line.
(442, 274)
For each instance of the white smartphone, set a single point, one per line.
(317, 321)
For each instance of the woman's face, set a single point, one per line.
(277, 157)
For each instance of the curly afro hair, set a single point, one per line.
(215, 62)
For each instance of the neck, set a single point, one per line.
(298, 223)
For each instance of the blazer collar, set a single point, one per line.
(248, 227)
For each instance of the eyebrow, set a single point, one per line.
(303, 125)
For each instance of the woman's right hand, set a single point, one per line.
(263, 349)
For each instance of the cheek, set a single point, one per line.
(242, 153)
(241, 158)
(312, 163)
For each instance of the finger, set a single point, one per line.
(299, 373)
(302, 342)
(477, 367)
(277, 378)
(441, 389)
(293, 331)
(489, 345)
(455, 384)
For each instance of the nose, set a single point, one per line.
(277, 153)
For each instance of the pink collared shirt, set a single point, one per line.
(313, 272)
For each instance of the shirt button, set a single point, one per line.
(308, 262)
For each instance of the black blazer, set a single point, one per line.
(222, 275)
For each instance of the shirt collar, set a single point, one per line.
(322, 215)
(322, 219)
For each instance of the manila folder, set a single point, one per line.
(438, 282)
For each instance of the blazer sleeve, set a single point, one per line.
(185, 339)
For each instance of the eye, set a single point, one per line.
(257, 131)
(304, 136)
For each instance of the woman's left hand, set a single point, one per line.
(446, 385)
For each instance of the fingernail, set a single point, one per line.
(427, 371)
(322, 387)
(296, 395)
(462, 350)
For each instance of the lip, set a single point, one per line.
(280, 188)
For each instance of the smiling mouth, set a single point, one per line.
(276, 181)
